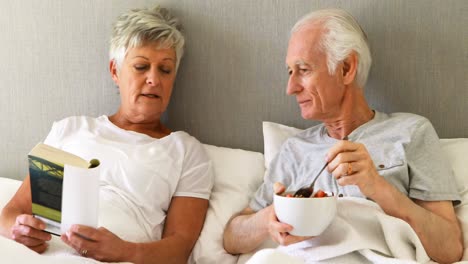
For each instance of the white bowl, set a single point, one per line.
(308, 216)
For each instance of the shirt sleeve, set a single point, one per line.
(197, 173)
(55, 134)
(282, 168)
(431, 176)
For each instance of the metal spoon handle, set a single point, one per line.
(318, 174)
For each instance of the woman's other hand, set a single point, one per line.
(99, 244)
(29, 231)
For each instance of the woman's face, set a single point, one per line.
(145, 79)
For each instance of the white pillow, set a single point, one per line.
(456, 150)
(274, 135)
(238, 173)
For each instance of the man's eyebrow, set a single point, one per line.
(299, 63)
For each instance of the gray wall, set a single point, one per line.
(54, 64)
(234, 74)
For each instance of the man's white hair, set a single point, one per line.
(342, 36)
(139, 27)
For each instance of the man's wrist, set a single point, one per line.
(265, 216)
(379, 189)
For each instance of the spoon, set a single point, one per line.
(307, 191)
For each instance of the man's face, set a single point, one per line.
(318, 93)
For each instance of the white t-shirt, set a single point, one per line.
(138, 174)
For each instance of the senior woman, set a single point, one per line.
(155, 184)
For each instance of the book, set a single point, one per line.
(64, 188)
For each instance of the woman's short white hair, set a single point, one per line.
(139, 27)
(342, 35)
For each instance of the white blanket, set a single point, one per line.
(57, 253)
(360, 233)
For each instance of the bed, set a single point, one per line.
(238, 173)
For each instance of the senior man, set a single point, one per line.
(328, 61)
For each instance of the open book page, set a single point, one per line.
(80, 197)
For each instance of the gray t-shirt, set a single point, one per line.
(404, 147)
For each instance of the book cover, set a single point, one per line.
(48, 167)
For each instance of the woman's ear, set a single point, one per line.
(114, 71)
(350, 68)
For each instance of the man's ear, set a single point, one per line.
(114, 71)
(350, 68)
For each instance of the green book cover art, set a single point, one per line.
(46, 188)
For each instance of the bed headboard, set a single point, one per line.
(233, 76)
